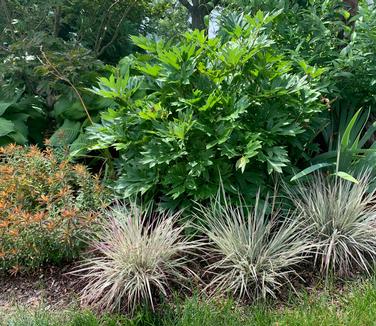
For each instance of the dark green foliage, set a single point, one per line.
(39, 89)
(350, 156)
(21, 118)
(104, 26)
(186, 116)
(325, 35)
(49, 53)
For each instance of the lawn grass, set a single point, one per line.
(355, 306)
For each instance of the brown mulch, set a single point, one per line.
(50, 288)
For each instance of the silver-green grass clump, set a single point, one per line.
(341, 219)
(253, 251)
(136, 259)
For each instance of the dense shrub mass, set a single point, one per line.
(46, 205)
(327, 36)
(186, 116)
(50, 51)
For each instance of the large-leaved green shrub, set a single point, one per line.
(184, 117)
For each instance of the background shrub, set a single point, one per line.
(327, 36)
(46, 205)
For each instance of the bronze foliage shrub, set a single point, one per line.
(46, 206)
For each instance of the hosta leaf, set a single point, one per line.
(18, 137)
(66, 134)
(6, 127)
(20, 121)
(4, 106)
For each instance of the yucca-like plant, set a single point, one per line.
(341, 217)
(136, 259)
(253, 251)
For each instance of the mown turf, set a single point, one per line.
(356, 306)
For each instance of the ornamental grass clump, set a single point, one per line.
(253, 251)
(47, 205)
(138, 257)
(341, 218)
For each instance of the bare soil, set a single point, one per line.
(51, 288)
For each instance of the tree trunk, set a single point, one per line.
(198, 14)
(57, 22)
(198, 9)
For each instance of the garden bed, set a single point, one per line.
(353, 304)
(52, 288)
(223, 180)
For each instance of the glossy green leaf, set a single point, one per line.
(345, 176)
(310, 169)
(346, 136)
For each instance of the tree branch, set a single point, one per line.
(116, 33)
(55, 72)
(117, 30)
(7, 16)
(3, 48)
(102, 29)
(208, 7)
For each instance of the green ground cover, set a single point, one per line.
(351, 304)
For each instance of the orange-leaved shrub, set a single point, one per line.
(46, 207)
